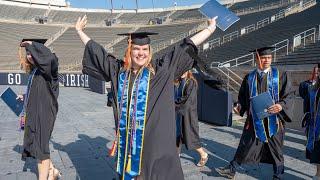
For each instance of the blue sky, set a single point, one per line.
(131, 4)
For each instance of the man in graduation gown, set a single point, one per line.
(310, 92)
(262, 139)
(40, 104)
(143, 89)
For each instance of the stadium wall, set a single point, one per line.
(65, 79)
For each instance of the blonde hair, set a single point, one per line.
(128, 60)
(190, 76)
(24, 63)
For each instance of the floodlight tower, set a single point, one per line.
(111, 5)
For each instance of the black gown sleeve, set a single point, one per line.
(303, 89)
(178, 58)
(44, 59)
(304, 94)
(244, 96)
(286, 98)
(98, 63)
(183, 102)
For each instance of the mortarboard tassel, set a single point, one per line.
(258, 56)
(127, 56)
(112, 151)
(128, 168)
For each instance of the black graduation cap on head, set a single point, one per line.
(139, 38)
(264, 50)
(42, 41)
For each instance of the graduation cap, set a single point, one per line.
(139, 38)
(264, 51)
(42, 41)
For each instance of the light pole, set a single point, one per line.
(137, 5)
(111, 6)
(153, 7)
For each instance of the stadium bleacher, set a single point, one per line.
(250, 4)
(283, 29)
(310, 54)
(11, 12)
(245, 20)
(12, 33)
(69, 48)
(140, 18)
(186, 15)
(64, 16)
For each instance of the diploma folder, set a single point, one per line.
(225, 17)
(9, 97)
(260, 105)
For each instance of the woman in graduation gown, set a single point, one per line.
(263, 142)
(143, 89)
(187, 116)
(310, 92)
(41, 105)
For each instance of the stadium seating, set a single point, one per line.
(64, 16)
(10, 12)
(70, 17)
(283, 29)
(140, 18)
(186, 15)
(309, 54)
(69, 48)
(245, 20)
(251, 3)
(12, 33)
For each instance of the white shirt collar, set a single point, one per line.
(265, 70)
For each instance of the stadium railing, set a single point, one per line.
(259, 24)
(281, 48)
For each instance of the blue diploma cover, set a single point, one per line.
(260, 105)
(9, 97)
(225, 17)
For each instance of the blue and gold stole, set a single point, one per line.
(273, 89)
(26, 98)
(132, 119)
(314, 123)
(178, 93)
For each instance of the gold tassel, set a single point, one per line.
(128, 168)
(112, 151)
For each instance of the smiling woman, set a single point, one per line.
(143, 89)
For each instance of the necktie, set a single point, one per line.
(262, 74)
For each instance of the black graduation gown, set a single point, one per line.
(187, 107)
(251, 149)
(304, 94)
(111, 103)
(160, 160)
(42, 106)
(313, 156)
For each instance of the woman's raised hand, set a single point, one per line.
(81, 23)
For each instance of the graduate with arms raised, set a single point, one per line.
(143, 89)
